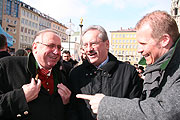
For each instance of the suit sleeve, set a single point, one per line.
(12, 101)
(136, 85)
(165, 106)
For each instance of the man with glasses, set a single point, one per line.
(100, 73)
(33, 87)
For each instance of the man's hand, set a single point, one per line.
(32, 89)
(64, 92)
(94, 100)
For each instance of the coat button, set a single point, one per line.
(18, 115)
(26, 113)
(48, 90)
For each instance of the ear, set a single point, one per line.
(165, 40)
(107, 44)
(34, 47)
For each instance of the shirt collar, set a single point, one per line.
(40, 67)
(103, 63)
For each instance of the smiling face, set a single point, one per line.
(47, 56)
(149, 47)
(95, 49)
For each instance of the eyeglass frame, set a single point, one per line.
(92, 44)
(52, 46)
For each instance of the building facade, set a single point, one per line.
(124, 45)
(175, 11)
(22, 21)
(10, 17)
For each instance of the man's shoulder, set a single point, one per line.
(13, 59)
(4, 54)
(125, 65)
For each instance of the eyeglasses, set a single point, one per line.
(91, 44)
(52, 46)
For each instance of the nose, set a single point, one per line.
(56, 50)
(88, 48)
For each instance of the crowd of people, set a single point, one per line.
(46, 83)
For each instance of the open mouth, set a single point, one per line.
(146, 55)
(91, 53)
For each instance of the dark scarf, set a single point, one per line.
(153, 73)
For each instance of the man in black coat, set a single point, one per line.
(100, 73)
(33, 87)
(3, 46)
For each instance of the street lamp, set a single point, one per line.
(69, 31)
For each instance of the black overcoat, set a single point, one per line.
(115, 78)
(14, 73)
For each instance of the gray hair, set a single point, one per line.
(102, 35)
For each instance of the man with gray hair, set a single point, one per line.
(100, 73)
(158, 37)
(33, 87)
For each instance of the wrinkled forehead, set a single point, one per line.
(49, 37)
(91, 36)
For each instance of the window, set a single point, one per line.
(22, 29)
(7, 29)
(7, 20)
(8, 7)
(26, 22)
(119, 52)
(15, 22)
(21, 38)
(32, 32)
(25, 31)
(30, 23)
(22, 20)
(14, 31)
(29, 31)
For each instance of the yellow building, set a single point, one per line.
(124, 45)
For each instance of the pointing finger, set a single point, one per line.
(84, 96)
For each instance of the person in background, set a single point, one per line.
(21, 52)
(3, 46)
(100, 72)
(159, 42)
(141, 71)
(33, 87)
(136, 66)
(67, 58)
(29, 50)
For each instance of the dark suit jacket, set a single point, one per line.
(14, 73)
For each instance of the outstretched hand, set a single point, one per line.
(94, 100)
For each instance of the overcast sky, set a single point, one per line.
(111, 14)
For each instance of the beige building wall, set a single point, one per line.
(29, 26)
(10, 22)
(124, 45)
(61, 29)
(175, 11)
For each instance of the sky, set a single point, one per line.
(110, 14)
